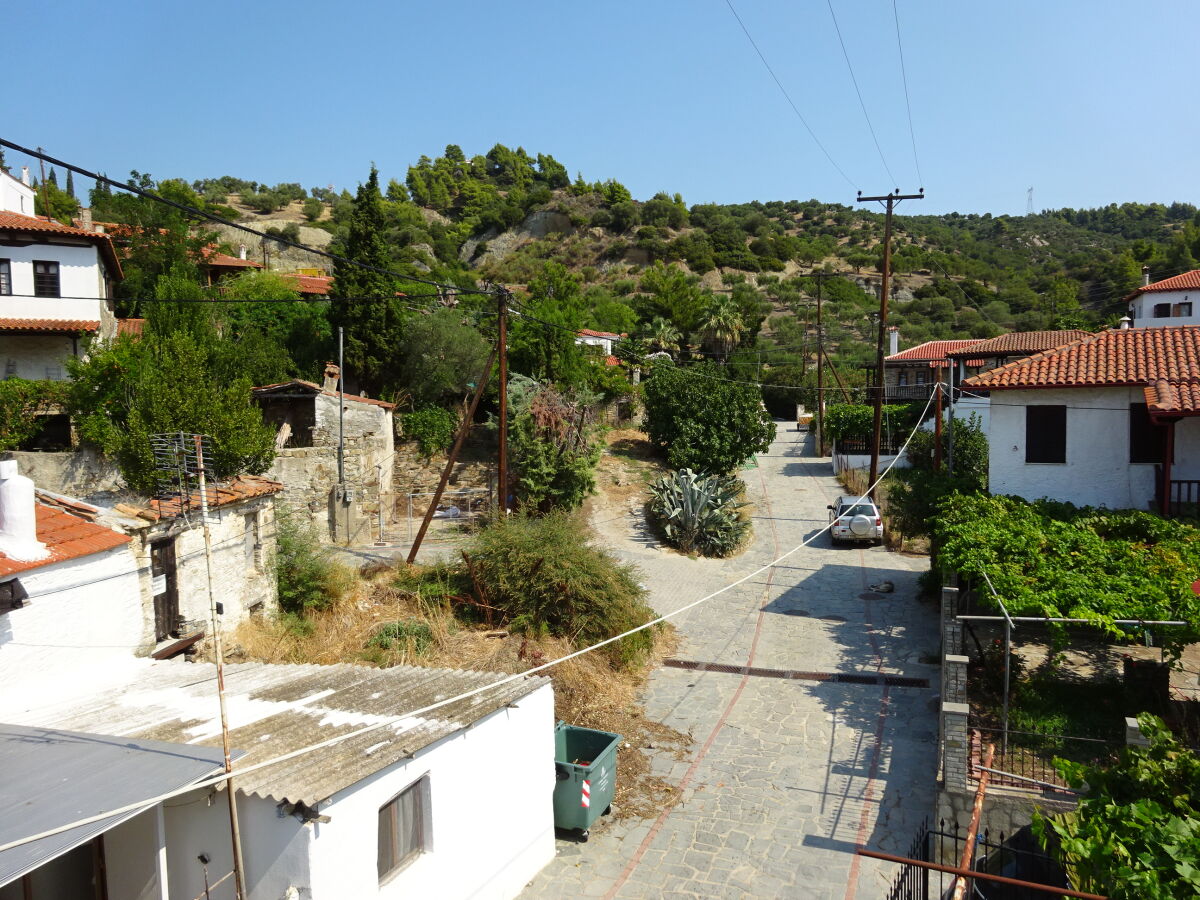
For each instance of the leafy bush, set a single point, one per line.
(699, 512)
(545, 577)
(432, 429)
(313, 209)
(308, 579)
(1136, 833)
(21, 402)
(413, 635)
(554, 446)
(857, 420)
(705, 422)
(915, 492)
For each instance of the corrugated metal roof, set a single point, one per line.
(53, 777)
(274, 709)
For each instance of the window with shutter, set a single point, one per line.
(1045, 434)
(1147, 441)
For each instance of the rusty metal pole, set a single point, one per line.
(218, 651)
(968, 854)
(502, 473)
(463, 430)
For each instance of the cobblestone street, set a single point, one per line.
(786, 777)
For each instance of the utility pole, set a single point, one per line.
(937, 421)
(819, 277)
(889, 201)
(502, 473)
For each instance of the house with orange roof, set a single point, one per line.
(1170, 301)
(1110, 419)
(909, 375)
(56, 287)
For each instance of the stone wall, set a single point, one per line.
(77, 473)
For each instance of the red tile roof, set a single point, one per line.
(1188, 281)
(230, 262)
(587, 332)
(131, 326)
(16, 222)
(50, 326)
(932, 351)
(1180, 397)
(317, 389)
(311, 284)
(66, 536)
(244, 487)
(1026, 342)
(1133, 356)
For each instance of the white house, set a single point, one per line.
(1172, 301)
(56, 286)
(1107, 420)
(602, 339)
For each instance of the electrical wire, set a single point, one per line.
(390, 721)
(862, 104)
(907, 104)
(787, 96)
(212, 217)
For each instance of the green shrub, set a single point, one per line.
(410, 634)
(20, 403)
(545, 577)
(308, 579)
(432, 429)
(699, 512)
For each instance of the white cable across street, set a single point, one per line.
(304, 751)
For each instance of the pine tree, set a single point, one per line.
(372, 327)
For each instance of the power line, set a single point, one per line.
(859, 92)
(191, 210)
(408, 716)
(788, 96)
(907, 104)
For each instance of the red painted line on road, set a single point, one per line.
(687, 777)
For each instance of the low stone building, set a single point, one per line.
(306, 417)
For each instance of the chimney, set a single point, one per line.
(241, 251)
(85, 218)
(1124, 322)
(25, 175)
(1145, 275)
(18, 516)
(332, 375)
(893, 340)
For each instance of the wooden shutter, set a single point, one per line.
(1045, 434)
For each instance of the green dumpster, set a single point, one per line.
(585, 764)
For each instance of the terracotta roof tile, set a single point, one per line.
(244, 487)
(230, 262)
(50, 326)
(66, 536)
(131, 326)
(1022, 342)
(933, 351)
(17, 222)
(587, 332)
(1180, 396)
(317, 389)
(1133, 356)
(311, 284)
(1188, 281)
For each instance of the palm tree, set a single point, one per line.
(664, 336)
(722, 323)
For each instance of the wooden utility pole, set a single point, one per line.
(819, 277)
(937, 421)
(889, 201)
(502, 345)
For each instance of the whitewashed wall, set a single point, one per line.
(1097, 471)
(978, 406)
(133, 862)
(80, 274)
(491, 790)
(15, 196)
(1143, 308)
(81, 614)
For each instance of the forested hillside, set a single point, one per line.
(706, 280)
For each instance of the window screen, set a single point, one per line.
(1045, 434)
(1147, 441)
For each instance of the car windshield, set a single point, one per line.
(861, 509)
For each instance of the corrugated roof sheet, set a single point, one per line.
(268, 389)
(1022, 342)
(275, 709)
(66, 536)
(53, 777)
(1132, 356)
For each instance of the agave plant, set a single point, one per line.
(699, 512)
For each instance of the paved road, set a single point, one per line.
(786, 777)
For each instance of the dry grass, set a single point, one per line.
(588, 691)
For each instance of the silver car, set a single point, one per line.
(855, 519)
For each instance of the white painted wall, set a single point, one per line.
(1097, 471)
(1143, 308)
(82, 614)
(80, 275)
(605, 344)
(15, 196)
(131, 858)
(491, 790)
(978, 406)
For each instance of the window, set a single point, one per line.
(1045, 434)
(45, 279)
(5, 276)
(402, 828)
(1162, 310)
(902, 378)
(1147, 441)
(1181, 309)
(921, 376)
(253, 543)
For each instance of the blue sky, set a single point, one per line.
(1086, 102)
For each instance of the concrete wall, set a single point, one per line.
(1143, 308)
(80, 277)
(1097, 471)
(76, 473)
(491, 812)
(37, 357)
(81, 614)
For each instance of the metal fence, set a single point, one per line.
(1027, 757)
(456, 507)
(1013, 856)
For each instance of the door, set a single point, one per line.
(164, 589)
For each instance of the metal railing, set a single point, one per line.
(1014, 856)
(1025, 759)
(888, 445)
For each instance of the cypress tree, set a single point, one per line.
(70, 184)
